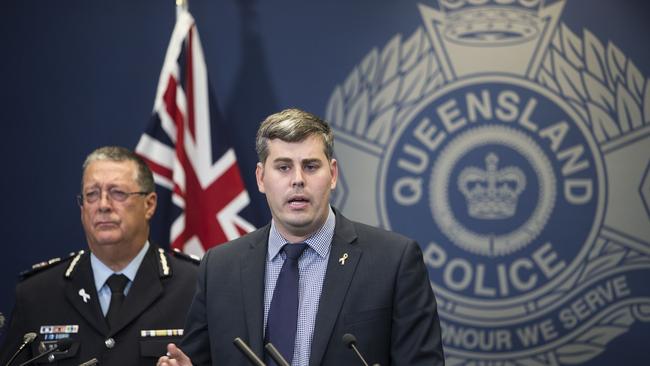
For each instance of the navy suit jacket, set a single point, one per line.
(381, 294)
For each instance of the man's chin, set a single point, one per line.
(298, 219)
(106, 241)
(301, 227)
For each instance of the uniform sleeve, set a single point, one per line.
(416, 335)
(14, 337)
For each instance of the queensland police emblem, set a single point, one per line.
(517, 153)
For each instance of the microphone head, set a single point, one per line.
(64, 344)
(29, 337)
(349, 340)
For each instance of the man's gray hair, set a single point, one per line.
(119, 154)
(293, 125)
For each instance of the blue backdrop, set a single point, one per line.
(546, 265)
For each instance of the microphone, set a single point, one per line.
(91, 362)
(276, 355)
(248, 352)
(27, 339)
(351, 342)
(61, 346)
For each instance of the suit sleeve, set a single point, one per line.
(416, 336)
(196, 339)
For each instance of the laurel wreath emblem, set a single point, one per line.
(384, 88)
(600, 83)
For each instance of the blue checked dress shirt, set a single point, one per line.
(312, 267)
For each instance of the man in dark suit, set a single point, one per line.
(122, 301)
(311, 275)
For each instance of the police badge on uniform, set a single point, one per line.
(517, 152)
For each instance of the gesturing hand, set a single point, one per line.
(174, 357)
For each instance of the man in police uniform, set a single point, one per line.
(122, 301)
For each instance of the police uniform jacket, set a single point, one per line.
(60, 301)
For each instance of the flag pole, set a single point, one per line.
(181, 5)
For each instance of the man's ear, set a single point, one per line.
(259, 177)
(334, 171)
(150, 202)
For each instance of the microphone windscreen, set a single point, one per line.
(29, 337)
(349, 339)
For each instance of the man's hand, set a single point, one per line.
(174, 357)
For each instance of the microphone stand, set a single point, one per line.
(243, 347)
(92, 362)
(62, 346)
(27, 339)
(276, 355)
(351, 341)
(49, 351)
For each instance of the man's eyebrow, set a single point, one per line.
(281, 160)
(303, 161)
(311, 160)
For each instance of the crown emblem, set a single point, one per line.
(491, 193)
(491, 31)
(485, 22)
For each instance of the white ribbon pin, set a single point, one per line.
(343, 258)
(84, 295)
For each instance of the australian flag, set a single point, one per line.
(202, 199)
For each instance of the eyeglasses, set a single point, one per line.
(115, 194)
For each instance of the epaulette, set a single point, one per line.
(163, 264)
(73, 264)
(38, 267)
(186, 256)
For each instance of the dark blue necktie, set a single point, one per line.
(282, 321)
(116, 283)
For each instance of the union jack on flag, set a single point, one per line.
(185, 147)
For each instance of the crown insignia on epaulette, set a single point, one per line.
(46, 263)
(35, 268)
(491, 193)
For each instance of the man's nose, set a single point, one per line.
(298, 178)
(104, 201)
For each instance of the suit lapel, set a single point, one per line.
(146, 288)
(337, 281)
(81, 293)
(253, 266)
